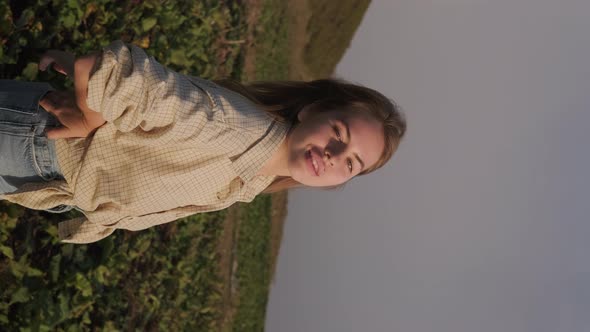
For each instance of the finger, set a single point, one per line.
(60, 69)
(50, 101)
(47, 104)
(45, 61)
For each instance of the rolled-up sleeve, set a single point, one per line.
(126, 85)
(138, 95)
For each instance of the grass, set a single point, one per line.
(331, 28)
(272, 42)
(253, 256)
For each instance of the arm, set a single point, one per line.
(84, 67)
(73, 113)
(136, 94)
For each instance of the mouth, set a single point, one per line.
(314, 163)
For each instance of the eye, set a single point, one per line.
(349, 162)
(338, 133)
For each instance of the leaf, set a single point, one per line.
(101, 272)
(63, 306)
(20, 296)
(31, 70)
(45, 328)
(33, 272)
(67, 250)
(148, 23)
(107, 246)
(144, 42)
(38, 27)
(73, 3)
(143, 245)
(90, 8)
(54, 267)
(178, 57)
(17, 269)
(7, 251)
(25, 18)
(83, 285)
(68, 20)
(14, 211)
(52, 230)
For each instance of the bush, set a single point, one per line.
(163, 278)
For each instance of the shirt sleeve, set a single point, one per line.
(138, 95)
(80, 230)
(125, 85)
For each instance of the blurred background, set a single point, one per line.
(481, 221)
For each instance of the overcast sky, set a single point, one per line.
(481, 221)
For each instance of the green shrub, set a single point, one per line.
(193, 37)
(161, 278)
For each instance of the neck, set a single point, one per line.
(277, 165)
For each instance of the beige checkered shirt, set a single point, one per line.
(173, 145)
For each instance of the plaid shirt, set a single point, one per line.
(173, 145)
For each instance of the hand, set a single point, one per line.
(63, 62)
(62, 104)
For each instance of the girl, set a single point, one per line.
(140, 145)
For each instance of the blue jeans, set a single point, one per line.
(26, 154)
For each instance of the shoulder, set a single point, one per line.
(237, 111)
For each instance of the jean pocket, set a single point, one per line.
(45, 159)
(19, 98)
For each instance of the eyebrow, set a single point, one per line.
(348, 136)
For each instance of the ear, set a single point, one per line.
(304, 113)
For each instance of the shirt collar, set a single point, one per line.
(250, 162)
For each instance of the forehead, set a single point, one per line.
(366, 135)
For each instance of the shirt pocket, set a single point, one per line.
(231, 190)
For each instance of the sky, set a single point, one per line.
(480, 222)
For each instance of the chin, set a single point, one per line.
(306, 181)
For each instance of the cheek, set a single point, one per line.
(336, 177)
(312, 131)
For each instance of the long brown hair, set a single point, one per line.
(284, 99)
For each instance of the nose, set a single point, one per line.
(327, 159)
(332, 157)
(334, 152)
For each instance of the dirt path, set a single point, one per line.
(225, 251)
(227, 244)
(299, 18)
(254, 9)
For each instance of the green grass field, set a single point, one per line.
(168, 277)
(325, 48)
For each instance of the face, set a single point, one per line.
(329, 148)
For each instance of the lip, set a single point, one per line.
(312, 155)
